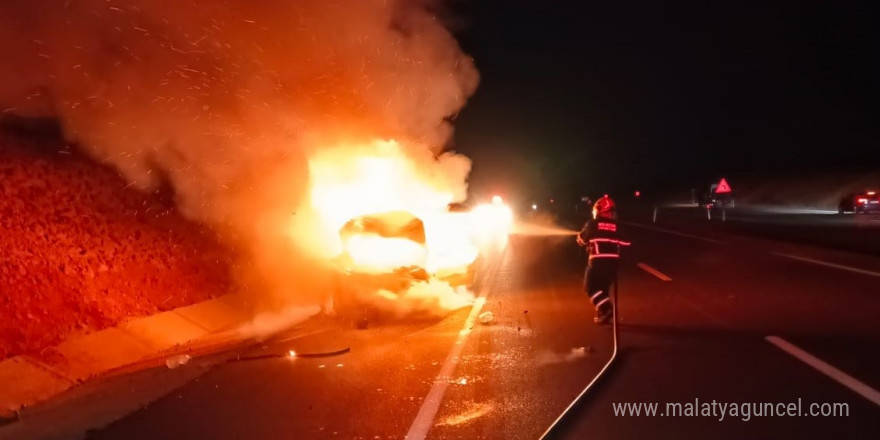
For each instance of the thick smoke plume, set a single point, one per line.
(226, 100)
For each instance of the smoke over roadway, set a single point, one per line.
(226, 101)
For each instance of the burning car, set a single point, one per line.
(860, 203)
(385, 261)
(390, 222)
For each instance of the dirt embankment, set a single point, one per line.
(81, 251)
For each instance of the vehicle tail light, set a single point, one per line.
(862, 201)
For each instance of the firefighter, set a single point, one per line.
(600, 236)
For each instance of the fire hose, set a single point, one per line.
(299, 355)
(559, 422)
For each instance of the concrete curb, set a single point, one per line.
(25, 380)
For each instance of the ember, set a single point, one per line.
(270, 120)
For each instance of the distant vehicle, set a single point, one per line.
(860, 203)
(711, 199)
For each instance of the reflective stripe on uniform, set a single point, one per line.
(596, 294)
(610, 240)
(602, 302)
(604, 256)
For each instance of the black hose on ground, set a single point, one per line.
(299, 355)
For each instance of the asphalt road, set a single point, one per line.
(706, 334)
(858, 233)
(697, 305)
(450, 378)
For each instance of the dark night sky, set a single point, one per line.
(613, 95)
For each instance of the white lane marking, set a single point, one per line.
(681, 234)
(825, 263)
(844, 379)
(653, 271)
(425, 418)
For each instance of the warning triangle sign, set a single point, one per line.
(723, 187)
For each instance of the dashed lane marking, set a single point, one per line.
(829, 370)
(653, 271)
(827, 264)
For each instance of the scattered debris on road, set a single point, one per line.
(548, 358)
(472, 412)
(176, 361)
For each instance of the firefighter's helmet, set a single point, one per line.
(604, 207)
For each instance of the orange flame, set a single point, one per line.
(375, 254)
(382, 178)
